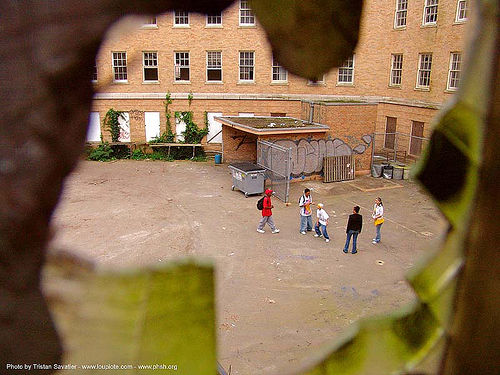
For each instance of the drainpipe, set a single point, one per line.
(311, 112)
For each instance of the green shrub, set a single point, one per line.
(103, 152)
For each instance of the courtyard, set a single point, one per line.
(280, 297)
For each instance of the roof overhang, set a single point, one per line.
(261, 125)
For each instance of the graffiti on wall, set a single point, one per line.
(308, 154)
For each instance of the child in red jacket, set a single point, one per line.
(267, 214)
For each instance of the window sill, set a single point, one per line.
(214, 27)
(149, 27)
(460, 22)
(182, 82)
(451, 91)
(426, 89)
(120, 82)
(181, 27)
(214, 82)
(428, 25)
(246, 83)
(247, 26)
(279, 83)
(344, 84)
(397, 87)
(399, 28)
(150, 82)
(315, 84)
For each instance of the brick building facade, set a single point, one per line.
(406, 65)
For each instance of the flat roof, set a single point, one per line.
(272, 125)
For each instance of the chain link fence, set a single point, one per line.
(277, 162)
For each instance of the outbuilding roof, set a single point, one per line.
(272, 125)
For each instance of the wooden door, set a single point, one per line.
(390, 132)
(417, 133)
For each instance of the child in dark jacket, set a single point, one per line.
(354, 226)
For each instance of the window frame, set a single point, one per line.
(279, 71)
(213, 68)
(144, 67)
(95, 72)
(427, 7)
(395, 69)
(457, 72)
(464, 19)
(240, 67)
(348, 69)
(178, 17)
(208, 24)
(398, 11)
(188, 66)
(248, 14)
(319, 82)
(150, 25)
(113, 59)
(421, 70)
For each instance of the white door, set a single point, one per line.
(124, 121)
(245, 114)
(180, 126)
(94, 128)
(152, 120)
(214, 128)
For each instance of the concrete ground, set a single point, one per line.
(279, 296)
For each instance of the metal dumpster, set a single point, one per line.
(248, 177)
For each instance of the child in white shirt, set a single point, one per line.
(321, 223)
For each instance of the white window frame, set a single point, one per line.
(179, 64)
(178, 17)
(396, 66)
(278, 71)
(215, 67)
(429, 6)
(424, 68)
(146, 64)
(458, 17)
(212, 24)
(401, 10)
(243, 66)
(118, 68)
(344, 71)
(245, 14)
(454, 71)
(150, 23)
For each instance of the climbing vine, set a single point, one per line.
(112, 125)
(192, 134)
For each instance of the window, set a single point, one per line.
(424, 70)
(150, 22)
(247, 17)
(396, 69)
(400, 16)
(279, 73)
(120, 66)
(346, 72)
(430, 12)
(94, 73)
(454, 72)
(317, 82)
(278, 114)
(461, 11)
(181, 18)
(181, 66)
(214, 19)
(390, 133)
(214, 66)
(247, 66)
(150, 66)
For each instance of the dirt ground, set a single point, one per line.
(279, 296)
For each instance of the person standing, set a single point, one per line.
(305, 202)
(321, 223)
(354, 226)
(378, 218)
(267, 214)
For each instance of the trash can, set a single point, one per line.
(387, 171)
(249, 178)
(397, 173)
(218, 158)
(377, 170)
(406, 173)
